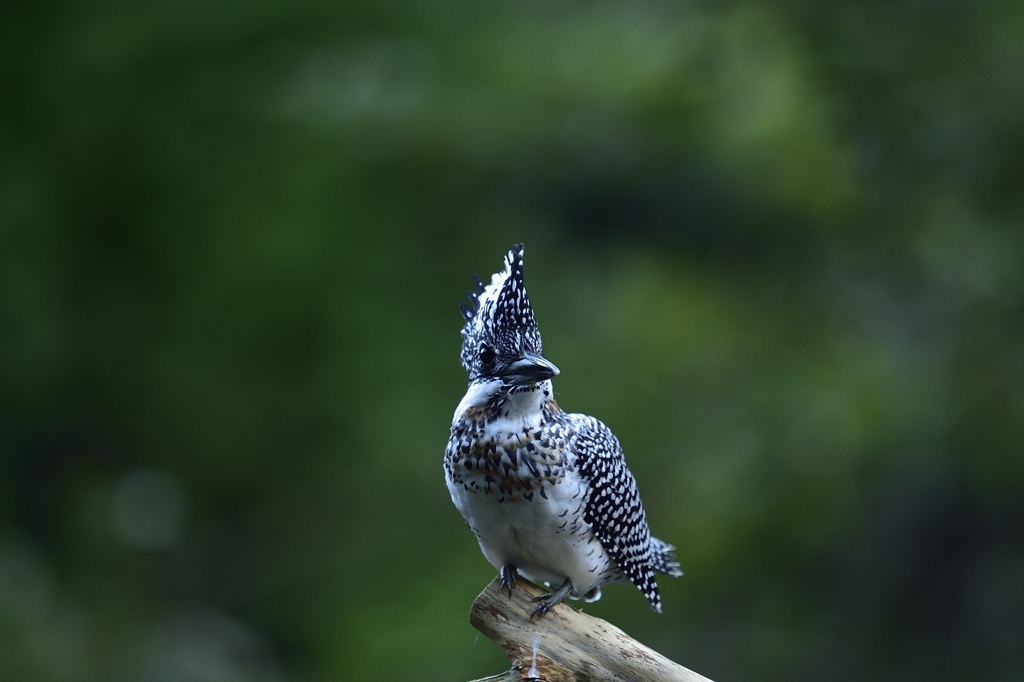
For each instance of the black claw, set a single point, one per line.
(508, 578)
(546, 602)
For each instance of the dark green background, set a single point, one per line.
(775, 245)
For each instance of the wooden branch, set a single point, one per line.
(565, 644)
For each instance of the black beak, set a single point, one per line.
(529, 369)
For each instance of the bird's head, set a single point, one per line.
(500, 339)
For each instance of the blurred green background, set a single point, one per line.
(775, 245)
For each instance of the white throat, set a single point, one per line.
(522, 406)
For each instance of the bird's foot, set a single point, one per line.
(508, 578)
(546, 602)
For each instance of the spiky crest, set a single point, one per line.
(500, 325)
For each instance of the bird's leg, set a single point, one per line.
(508, 578)
(546, 601)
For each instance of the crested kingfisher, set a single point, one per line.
(547, 493)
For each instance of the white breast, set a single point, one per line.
(543, 534)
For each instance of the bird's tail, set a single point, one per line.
(663, 560)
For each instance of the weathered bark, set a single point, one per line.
(565, 644)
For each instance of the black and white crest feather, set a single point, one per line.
(499, 316)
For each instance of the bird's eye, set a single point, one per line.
(487, 356)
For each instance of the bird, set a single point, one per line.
(547, 493)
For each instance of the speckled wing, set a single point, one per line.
(613, 508)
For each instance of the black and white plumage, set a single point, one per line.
(546, 493)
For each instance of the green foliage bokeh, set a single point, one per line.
(776, 246)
